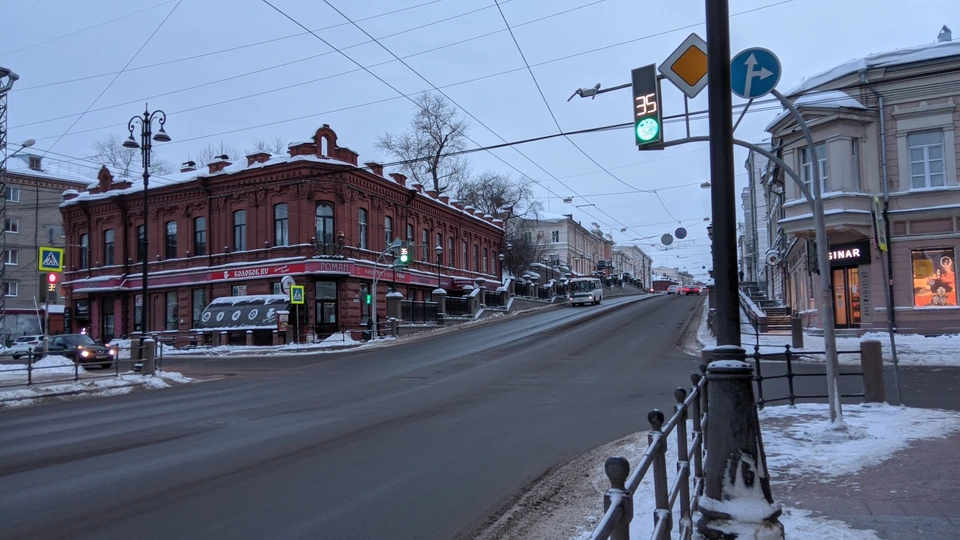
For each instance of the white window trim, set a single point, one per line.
(12, 286)
(16, 257)
(927, 184)
(821, 161)
(915, 120)
(16, 225)
(11, 199)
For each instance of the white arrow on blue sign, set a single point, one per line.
(754, 73)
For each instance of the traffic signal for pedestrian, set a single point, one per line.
(647, 112)
(52, 279)
(403, 258)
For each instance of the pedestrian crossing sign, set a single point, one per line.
(296, 294)
(51, 259)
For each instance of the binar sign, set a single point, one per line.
(853, 254)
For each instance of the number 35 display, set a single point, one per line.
(647, 115)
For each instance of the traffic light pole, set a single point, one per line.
(46, 322)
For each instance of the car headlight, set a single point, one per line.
(113, 352)
(85, 353)
(590, 297)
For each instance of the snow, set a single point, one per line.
(830, 99)
(912, 349)
(108, 386)
(753, 306)
(47, 365)
(253, 299)
(919, 53)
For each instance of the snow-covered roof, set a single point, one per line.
(909, 55)
(52, 169)
(832, 99)
(247, 300)
(546, 216)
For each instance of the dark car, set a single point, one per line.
(82, 349)
(688, 290)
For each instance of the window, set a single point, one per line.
(84, 251)
(108, 247)
(362, 219)
(440, 244)
(528, 237)
(238, 290)
(926, 159)
(855, 164)
(465, 256)
(137, 313)
(34, 163)
(198, 298)
(141, 236)
(555, 236)
(425, 242)
(409, 234)
(281, 226)
(12, 194)
(171, 244)
(11, 257)
(387, 230)
(476, 258)
(484, 260)
(324, 223)
(200, 236)
(12, 225)
(451, 247)
(108, 319)
(11, 288)
(240, 230)
(364, 306)
(276, 287)
(807, 166)
(171, 314)
(934, 278)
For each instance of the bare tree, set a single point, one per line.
(124, 162)
(525, 247)
(276, 145)
(499, 195)
(436, 130)
(212, 151)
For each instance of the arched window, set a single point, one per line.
(240, 230)
(171, 247)
(387, 230)
(324, 147)
(324, 223)
(362, 221)
(281, 226)
(108, 247)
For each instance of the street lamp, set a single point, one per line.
(500, 257)
(439, 251)
(145, 145)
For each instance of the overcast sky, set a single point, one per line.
(241, 95)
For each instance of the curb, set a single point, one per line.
(70, 393)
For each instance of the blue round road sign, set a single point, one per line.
(680, 233)
(754, 73)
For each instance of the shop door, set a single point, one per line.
(327, 320)
(846, 296)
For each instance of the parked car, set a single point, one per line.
(23, 346)
(673, 289)
(82, 349)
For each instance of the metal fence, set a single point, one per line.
(413, 311)
(495, 299)
(29, 374)
(618, 500)
(458, 306)
(788, 356)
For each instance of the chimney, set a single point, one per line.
(417, 185)
(945, 35)
(398, 178)
(444, 199)
(258, 157)
(188, 166)
(69, 194)
(457, 204)
(432, 193)
(375, 168)
(219, 163)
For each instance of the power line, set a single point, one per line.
(150, 37)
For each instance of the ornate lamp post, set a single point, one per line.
(439, 251)
(145, 145)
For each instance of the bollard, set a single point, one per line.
(796, 332)
(617, 470)
(276, 338)
(871, 364)
(249, 338)
(224, 338)
(394, 328)
(736, 485)
(149, 356)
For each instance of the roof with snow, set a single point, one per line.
(52, 169)
(831, 99)
(899, 57)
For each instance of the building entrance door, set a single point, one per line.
(327, 316)
(846, 296)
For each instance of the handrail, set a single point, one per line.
(618, 500)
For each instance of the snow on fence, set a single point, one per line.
(618, 502)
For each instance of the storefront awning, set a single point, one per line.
(231, 313)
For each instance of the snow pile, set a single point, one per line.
(48, 365)
(109, 386)
(912, 349)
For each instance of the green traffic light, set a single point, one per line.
(647, 129)
(369, 298)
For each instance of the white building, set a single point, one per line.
(634, 261)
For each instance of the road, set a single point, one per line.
(426, 439)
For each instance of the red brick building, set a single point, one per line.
(237, 228)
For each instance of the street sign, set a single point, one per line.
(680, 233)
(647, 112)
(879, 223)
(50, 259)
(666, 239)
(754, 73)
(286, 283)
(296, 294)
(686, 67)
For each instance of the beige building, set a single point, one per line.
(565, 242)
(633, 260)
(884, 126)
(34, 189)
(675, 275)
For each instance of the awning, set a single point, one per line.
(243, 313)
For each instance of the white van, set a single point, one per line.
(585, 291)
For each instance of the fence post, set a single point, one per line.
(30, 368)
(736, 482)
(705, 404)
(871, 364)
(149, 356)
(617, 469)
(683, 456)
(759, 376)
(796, 331)
(697, 427)
(789, 357)
(660, 488)
(76, 369)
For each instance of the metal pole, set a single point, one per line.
(46, 323)
(145, 151)
(721, 174)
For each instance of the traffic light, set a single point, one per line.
(52, 279)
(368, 299)
(403, 259)
(647, 112)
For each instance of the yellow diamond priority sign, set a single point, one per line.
(686, 67)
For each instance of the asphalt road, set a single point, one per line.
(426, 439)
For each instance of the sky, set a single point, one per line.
(106, 58)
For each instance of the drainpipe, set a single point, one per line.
(892, 317)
